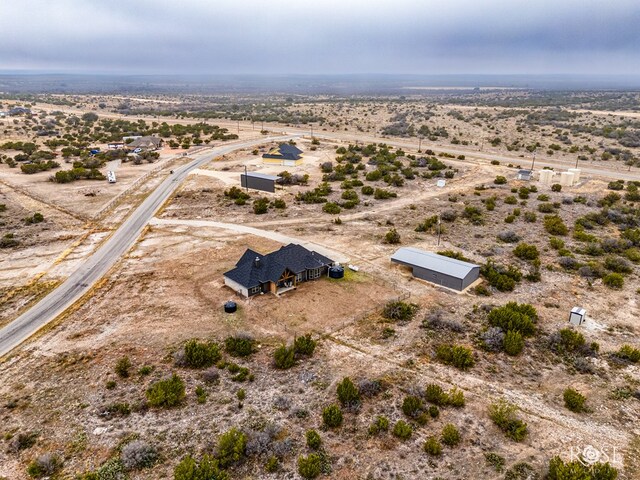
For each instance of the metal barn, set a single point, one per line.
(258, 181)
(437, 269)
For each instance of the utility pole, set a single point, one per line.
(534, 161)
(419, 144)
(439, 229)
(246, 180)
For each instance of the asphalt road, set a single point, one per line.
(99, 263)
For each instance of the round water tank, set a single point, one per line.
(230, 307)
(336, 271)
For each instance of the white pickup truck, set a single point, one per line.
(111, 176)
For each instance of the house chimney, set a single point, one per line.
(256, 262)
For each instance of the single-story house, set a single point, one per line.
(146, 143)
(115, 145)
(284, 154)
(19, 111)
(276, 272)
(438, 269)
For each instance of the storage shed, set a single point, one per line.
(438, 269)
(258, 181)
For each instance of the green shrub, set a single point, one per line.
(331, 208)
(166, 393)
(556, 187)
(459, 356)
(580, 470)
(521, 471)
(261, 206)
(310, 466)
(231, 447)
(614, 281)
(123, 366)
(530, 217)
(284, 357)
(502, 278)
(526, 252)
(402, 430)
(399, 311)
(450, 435)
(304, 345)
(380, 424)
(504, 416)
(515, 317)
(435, 394)
(239, 346)
(510, 200)
(44, 466)
(332, 416)
(554, 225)
(627, 352)
(272, 465)
(500, 180)
(574, 400)
(513, 343)
(392, 237)
(546, 208)
(556, 243)
(367, 190)
(313, 439)
(495, 460)
(348, 393)
(455, 398)
(412, 406)
(568, 340)
(432, 446)
(279, 204)
(434, 412)
(381, 193)
(201, 354)
(208, 468)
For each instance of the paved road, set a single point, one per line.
(98, 264)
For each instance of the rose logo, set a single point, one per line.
(590, 455)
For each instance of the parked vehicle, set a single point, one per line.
(111, 176)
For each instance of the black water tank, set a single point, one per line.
(230, 307)
(336, 271)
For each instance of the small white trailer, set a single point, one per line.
(111, 176)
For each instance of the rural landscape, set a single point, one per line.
(331, 240)
(378, 374)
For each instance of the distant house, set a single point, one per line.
(438, 269)
(19, 111)
(284, 154)
(146, 143)
(115, 145)
(276, 272)
(3, 114)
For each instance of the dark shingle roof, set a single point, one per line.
(286, 152)
(270, 267)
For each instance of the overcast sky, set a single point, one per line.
(321, 36)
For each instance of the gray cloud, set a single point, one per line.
(324, 36)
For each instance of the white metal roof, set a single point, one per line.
(261, 175)
(433, 261)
